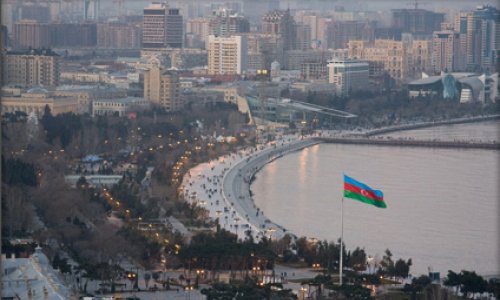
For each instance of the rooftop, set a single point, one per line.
(32, 276)
(37, 52)
(127, 100)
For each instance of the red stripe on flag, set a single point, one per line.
(358, 190)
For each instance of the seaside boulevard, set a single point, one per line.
(222, 186)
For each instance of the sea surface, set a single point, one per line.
(442, 210)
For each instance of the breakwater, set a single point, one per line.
(428, 124)
(411, 143)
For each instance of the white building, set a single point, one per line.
(227, 55)
(348, 76)
(32, 278)
(94, 180)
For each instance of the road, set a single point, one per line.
(236, 185)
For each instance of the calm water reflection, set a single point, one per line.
(443, 204)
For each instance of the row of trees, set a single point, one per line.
(469, 283)
(62, 126)
(18, 172)
(223, 251)
(382, 109)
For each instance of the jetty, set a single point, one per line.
(411, 143)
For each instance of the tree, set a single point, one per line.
(156, 276)
(402, 268)
(417, 286)
(452, 280)
(82, 183)
(147, 277)
(470, 282)
(387, 263)
(357, 260)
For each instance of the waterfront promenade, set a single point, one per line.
(222, 186)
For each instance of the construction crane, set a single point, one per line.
(416, 3)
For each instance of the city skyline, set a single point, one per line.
(196, 148)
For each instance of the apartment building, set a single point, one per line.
(227, 55)
(399, 59)
(34, 67)
(163, 88)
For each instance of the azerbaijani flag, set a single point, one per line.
(356, 190)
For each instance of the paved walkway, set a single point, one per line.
(222, 187)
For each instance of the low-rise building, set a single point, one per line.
(94, 180)
(32, 278)
(306, 87)
(85, 94)
(348, 76)
(119, 106)
(463, 87)
(36, 99)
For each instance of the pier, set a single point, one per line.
(411, 143)
(389, 129)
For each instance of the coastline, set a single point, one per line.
(232, 203)
(236, 185)
(222, 186)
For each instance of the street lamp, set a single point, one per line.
(188, 288)
(302, 293)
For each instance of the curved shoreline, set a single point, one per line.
(238, 210)
(237, 181)
(222, 186)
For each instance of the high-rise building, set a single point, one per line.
(348, 76)
(417, 21)
(31, 34)
(446, 51)
(199, 27)
(227, 55)
(303, 40)
(3, 37)
(73, 34)
(482, 38)
(280, 22)
(225, 22)
(34, 67)
(163, 88)
(263, 49)
(293, 59)
(91, 10)
(118, 35)
(253, 8)
(339, 33)
(162, 27)
(460, 26)
(36, 12)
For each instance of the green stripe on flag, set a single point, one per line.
(356, 196)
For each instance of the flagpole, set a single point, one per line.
(341, 240)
